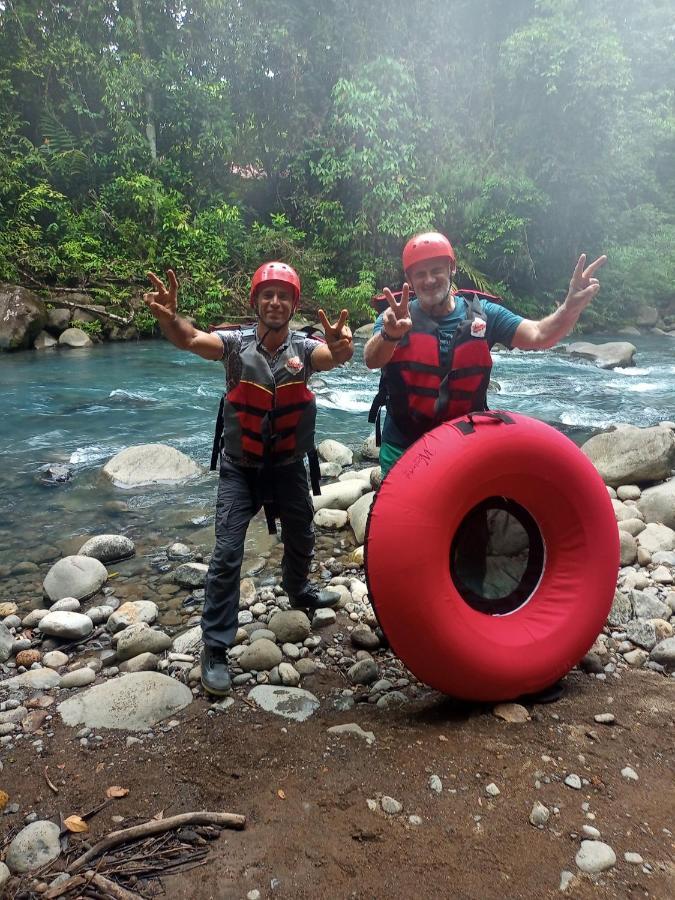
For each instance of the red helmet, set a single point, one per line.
(275, 271)
(431, 245)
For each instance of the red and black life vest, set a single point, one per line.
(420, 389)
(270, 414)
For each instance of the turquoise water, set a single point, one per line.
(82, 406)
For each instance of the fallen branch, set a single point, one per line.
(50, 784)
(111, 888)
(88, 306)
(115, 838)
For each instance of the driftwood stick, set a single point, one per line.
(97, 312)
(105, 885)
(111, 887)
(115, 838)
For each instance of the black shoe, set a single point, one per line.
(311, 598)
(215, 672)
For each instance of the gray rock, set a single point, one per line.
(23, 315)
(133, 702)
(539, 814)
(78, 678)
(68, 604)
(333, 451)
(131, 613)
(33, 680)
(331, 519)
(289, 676)
(306, 667)
(436, 784)
(358, 515)
(633, 526)
(189, 641)
(573, 781)
(391, 806)
(6, 643)
(13, 716)
(5, 875)
(139, 639)
(55, 659)
(628, 492)
(595, 857)
(364, 638)
(363, 672)
(393, 698)
(191, 574)
(290, 703)
(144, 662)
(340, 495)
(656, 538)
(99, 614)
(630, 455)
(66, 625)
(646, 606)
(628, 548)
(33, 617)
(664, 653)
(629, 774)
(290, 626)
(323, 617)
(34, 846)
(657, 504)
(150, 464)
(75, 338)
(633, 858)
(260, 656)
(641, 633)
(606, 356)
(108, 547)
(353, 728)
(75, 576)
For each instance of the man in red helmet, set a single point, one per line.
(265, 428)
(434, 352)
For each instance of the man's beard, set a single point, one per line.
(433, 298)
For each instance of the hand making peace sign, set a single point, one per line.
(396, 320)
(338, 336)
(583, 286)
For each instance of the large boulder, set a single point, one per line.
(58, 319)
(44, 341)
(632, 455)
(656, 537)
(647, 316)
(333, 451)
(605, 356)
(75, 576)
(134, 702)
(657, 504)
(34, 846)
(22, 317)
(75, 338)
(150, 464)
(108, 547)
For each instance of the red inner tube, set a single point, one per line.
(414, 519)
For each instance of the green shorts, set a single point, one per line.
(389, 453)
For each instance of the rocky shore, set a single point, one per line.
(89, 658)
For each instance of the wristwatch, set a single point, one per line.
(386, 337)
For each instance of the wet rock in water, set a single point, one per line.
(75, 338)
(55, 473)
(137, 639)
(133, 702)
(34, 846)
(288, 702)
(131, 613)
(191, 575)
(260, 656)
(150, 464)
(179, 551)
(290, 626)
(66, 625)
(606, 356)
(75, 576)
(108, 547)
(8, 608)
(595, 857)
(333, 451)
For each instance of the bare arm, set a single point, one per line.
(396, 322)
(338, 347)
(163, 303)
(545, 333)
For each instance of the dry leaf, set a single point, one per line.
(61, 766)
(115, 791)
(76, 824)
(99, 768)
(158, 816)
(4, 799)
(281, 795)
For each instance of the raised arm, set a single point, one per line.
(163, 304)
(545, 333)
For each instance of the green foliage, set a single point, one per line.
(93, 329)
(210, 135)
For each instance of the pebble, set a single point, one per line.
(629, 774)
(566, 879)
(573, 781)
(595, 857)
(633, 858)
(591, 832)
(492, 790)
(539, 814)
(253, 895)
(391, 806)
(604, 718)
(415, 820)
(436, 784)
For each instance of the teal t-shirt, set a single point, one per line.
(501, 326)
